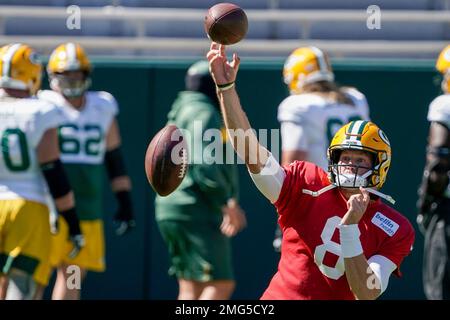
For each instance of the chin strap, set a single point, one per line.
(332, 186)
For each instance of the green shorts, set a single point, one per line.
(198, 251)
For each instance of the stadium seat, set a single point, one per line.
(168, 4)
(247, 4)
(199, 4)
(57, 3)
(35, 27)
(355, 4)
(28, 2)
(261, 30)
(173, 29)
(57, 27)
(440, 5)
(388, 31)
(287, 30)
(90, 3)
(433, 32)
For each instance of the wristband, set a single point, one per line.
(225, 87)
(56, 178)
(350, 244)
(114, 163)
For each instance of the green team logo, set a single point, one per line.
(71, 141)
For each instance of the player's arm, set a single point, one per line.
(435, 175)
(367, 280)
(238, 127)
(120, 181)
(58, 183)
(264, 169)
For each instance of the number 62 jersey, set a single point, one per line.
(82, 141)
(22, 125)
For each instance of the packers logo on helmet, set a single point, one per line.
(363, 136)
(306, 65)
(443, 66)
(20, 68)
(66, 58)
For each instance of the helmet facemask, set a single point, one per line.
(69, 86)
(352, 179)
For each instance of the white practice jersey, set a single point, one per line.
(22, 125)
(83, 133)
(439, 110)
(309, 122)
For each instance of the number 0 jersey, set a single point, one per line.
(22, 125)
(82, 140)
(318, 119)
(311, 265)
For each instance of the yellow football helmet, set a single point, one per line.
(364, 136)
(306, 65)
(20, 68)
(65, 58)
(443, 66)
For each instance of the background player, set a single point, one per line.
(29, 157)
(89, 138)
(199, 217)
(316, 107)
(434, 193)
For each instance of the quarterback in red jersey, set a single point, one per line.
(340, 241)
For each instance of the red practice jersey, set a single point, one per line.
(311, 264)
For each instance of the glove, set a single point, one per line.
(75, 235)
(78, 243)
(124, 217)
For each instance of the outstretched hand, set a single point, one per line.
(222, 70)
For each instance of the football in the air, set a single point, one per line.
(166, 160)
(226, 23)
